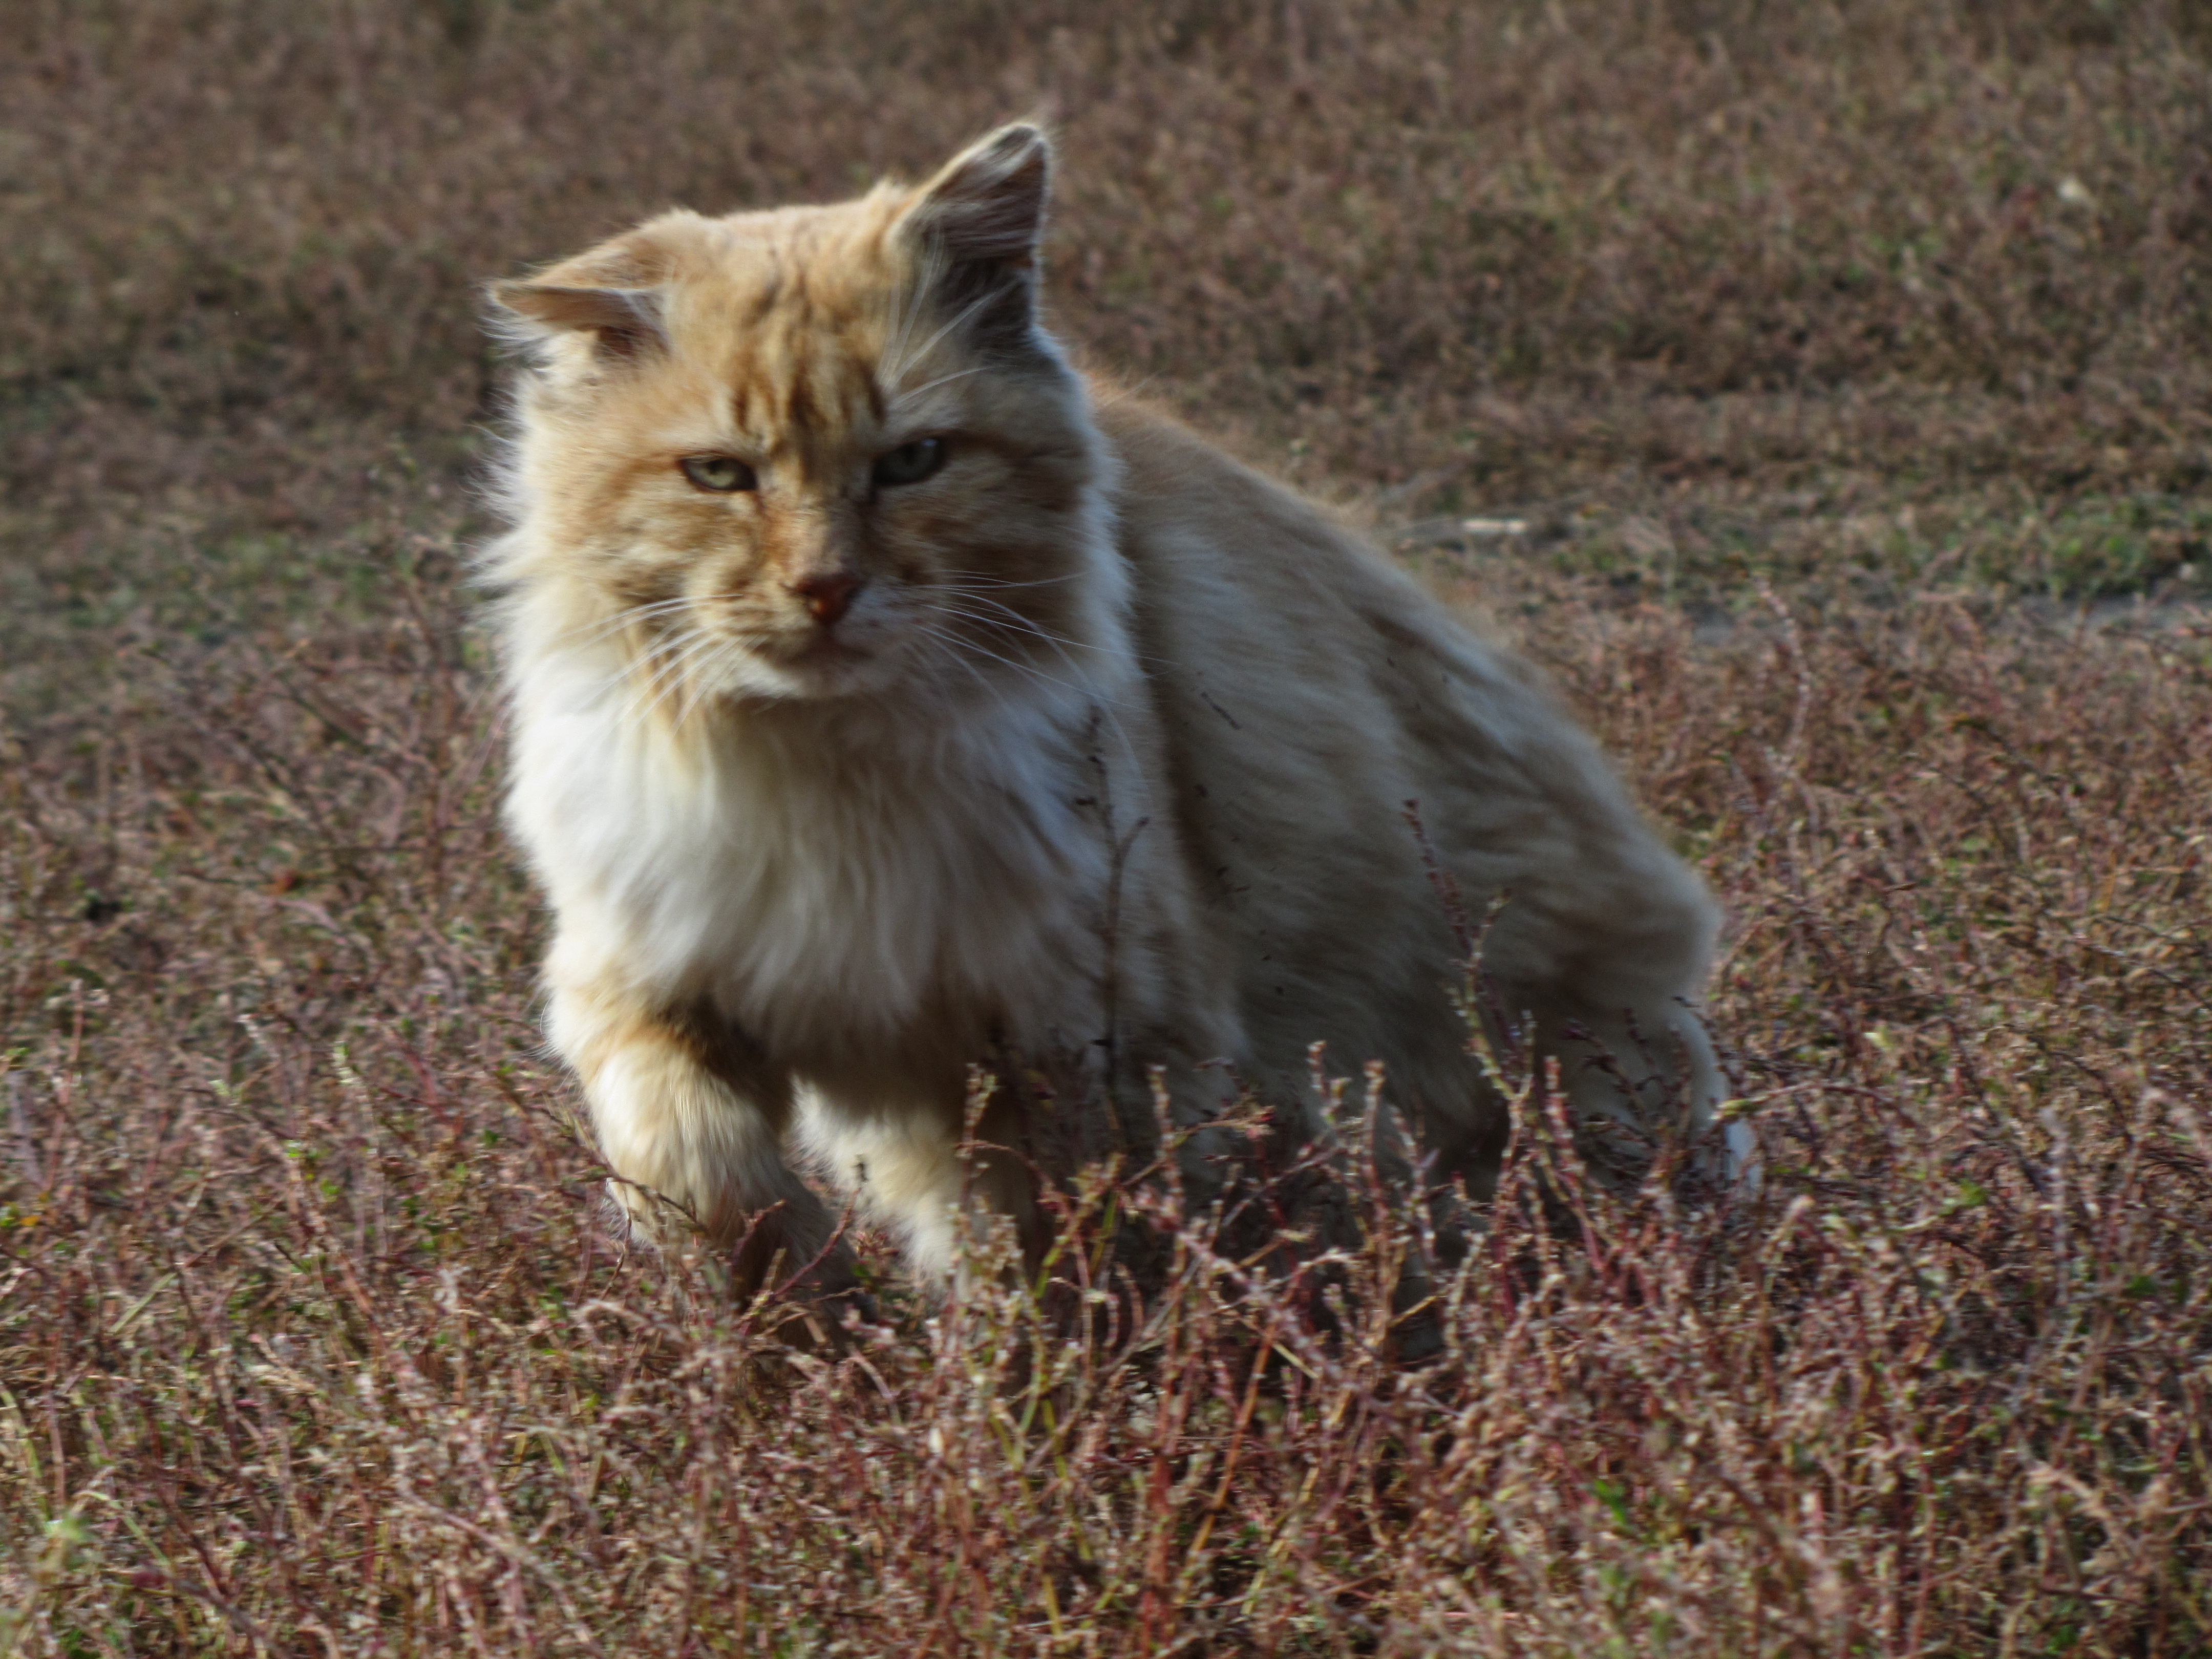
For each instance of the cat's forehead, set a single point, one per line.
(788, 321)
(819, 269)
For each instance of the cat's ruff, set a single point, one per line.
(1099, 745)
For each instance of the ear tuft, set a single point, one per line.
(986, 205)
(626, 322)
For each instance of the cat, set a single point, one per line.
(888, 698)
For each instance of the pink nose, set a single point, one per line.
(828, 596)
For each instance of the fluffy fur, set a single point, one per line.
(885, 701)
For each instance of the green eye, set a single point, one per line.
(910, 463)
(723, 474)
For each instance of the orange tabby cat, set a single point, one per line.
(885, 701)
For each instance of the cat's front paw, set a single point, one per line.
(808, 1292)
(643, 1219)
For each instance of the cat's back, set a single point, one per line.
(1261, 607)
(1313, 698)
(1307, 694)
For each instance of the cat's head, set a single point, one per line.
(812, 452)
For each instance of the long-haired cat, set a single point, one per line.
(886, 700)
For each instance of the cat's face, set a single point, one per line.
(813, 452)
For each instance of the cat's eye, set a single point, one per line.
(910, 463)
(723, 474)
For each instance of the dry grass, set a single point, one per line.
(1786, 333)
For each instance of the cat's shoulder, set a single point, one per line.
(1183, 500)
(1168, 470)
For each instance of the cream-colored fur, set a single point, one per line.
(1091, 742)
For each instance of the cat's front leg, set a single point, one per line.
(691, 1118)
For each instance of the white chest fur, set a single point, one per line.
(824, 885)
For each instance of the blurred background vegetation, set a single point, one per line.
(1695, 289)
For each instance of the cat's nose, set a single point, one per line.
(827, 595)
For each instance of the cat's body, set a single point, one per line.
(883, 707)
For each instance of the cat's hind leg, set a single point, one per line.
(1637, 1074)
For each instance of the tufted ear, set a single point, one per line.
(613, 292)
(978, 224)
(987, 206)
(626, 322)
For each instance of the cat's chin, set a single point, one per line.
(822, 671)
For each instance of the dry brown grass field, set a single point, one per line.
(1844, 374)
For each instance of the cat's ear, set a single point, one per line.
(624, 323)
(986, 205)
(611, 293)
(977, 224)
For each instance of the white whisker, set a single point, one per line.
(1027, 625)
(667, 671)
(1019, 622)
(942, 380)
(1030, 669)
(655, 650)
(939, 643)
(1104, 701)
(624, 619)
(909, 308)
(930, 345)
(966, 579)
